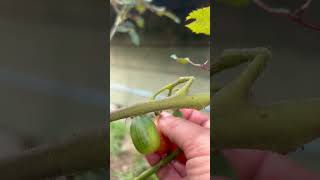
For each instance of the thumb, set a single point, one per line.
(194, 140)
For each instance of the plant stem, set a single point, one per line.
(121, 17)
(240, 123)
(81, 152)
(295, 16)
(157, 166)
(234, 57)
(198, 101)
(170, 87)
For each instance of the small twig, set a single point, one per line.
(159, 10)
(157, 166)
(121, 17)
(186, 60)
(115, 6)
(303, 7)
(204, 66)
(295, 16)
(170, 87)
(269, 9)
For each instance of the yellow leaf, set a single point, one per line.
(180, 60)
(201, 23)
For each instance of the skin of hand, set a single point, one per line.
(263, 165)
(192, 135)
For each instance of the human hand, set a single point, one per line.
(193, 137)
(263, 165)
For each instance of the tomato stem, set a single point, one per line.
(144, 175)
(198, 101)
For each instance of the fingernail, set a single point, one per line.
(165, 115)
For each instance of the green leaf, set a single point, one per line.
(117, 135)
(161, 11)
(128, 27)
(180, 60)
(139, 21)
(134, 36)
(201, 23)
(140, 8)
(177, 113)
(172, 17)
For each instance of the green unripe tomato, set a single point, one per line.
(144, 135)
(237, 3)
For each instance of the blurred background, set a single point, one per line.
(293, 72)
(139, 71)
(53, 80)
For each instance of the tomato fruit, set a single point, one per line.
(144, 135)
(166, 146)
(165, 143)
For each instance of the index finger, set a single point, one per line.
(196, 116)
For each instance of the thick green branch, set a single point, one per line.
(233, 57)
(198, 101)
(79, 153)
(240, 123)
(281, 127)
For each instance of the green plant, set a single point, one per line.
(117, 135)
(85, 151)
(176, 98)
(238, 122)
(129, 16)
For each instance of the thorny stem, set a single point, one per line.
(295, 16)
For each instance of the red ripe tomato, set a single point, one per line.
(165, 143)
(182, 158)
(167, 146)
